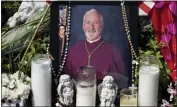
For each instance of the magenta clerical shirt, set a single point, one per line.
(106, 60)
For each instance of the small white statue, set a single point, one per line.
(65, 90)
(107, 91)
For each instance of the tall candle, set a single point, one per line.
(148, 85)
(41, 80)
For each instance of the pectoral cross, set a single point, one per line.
(89, 57)
(89, 54)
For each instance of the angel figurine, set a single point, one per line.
(65, 90)
(107, 91)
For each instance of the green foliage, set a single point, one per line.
(39, 45)
(13, 6)
(15, 41)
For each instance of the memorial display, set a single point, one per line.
(69, 53)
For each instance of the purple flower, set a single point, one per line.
(171, 28)
(159, 4)
(168, 57)
(166, 38)
(172, 7)
(164, 43)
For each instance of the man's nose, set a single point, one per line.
(92, 26)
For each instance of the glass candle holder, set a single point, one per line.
(128, 97)
(148, 81)
(86, 86)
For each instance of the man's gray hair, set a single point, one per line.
(93, 10)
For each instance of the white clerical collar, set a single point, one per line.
(93, 40)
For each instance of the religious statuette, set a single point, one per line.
(86, 86)
(148, 81)
(41, 80)
(107, 91)
(65, 90)
(128, 96)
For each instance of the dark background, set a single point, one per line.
(113, 31)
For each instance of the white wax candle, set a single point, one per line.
(148, 85)
(86, 96)
(41, 82)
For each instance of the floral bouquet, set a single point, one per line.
(15, 90)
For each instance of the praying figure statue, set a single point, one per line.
(107, 91)
(65, 90)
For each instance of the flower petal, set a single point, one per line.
(172, 7)
(166, 38)
(171, 28)
(159, 4)
(168, 57)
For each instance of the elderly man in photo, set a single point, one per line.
(95, 51)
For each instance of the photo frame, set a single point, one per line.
(70, 14)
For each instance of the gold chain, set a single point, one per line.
(127, 29)
(89, 54)
(63, 44)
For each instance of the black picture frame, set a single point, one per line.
(132, 12)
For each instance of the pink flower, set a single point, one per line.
(172, 91)
(166, 38)
(159, 4)
(164, 43)
(171, 28)
(165, 104)
(172, 7)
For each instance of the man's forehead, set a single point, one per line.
(93, 12)
(93, 15)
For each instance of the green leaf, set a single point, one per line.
(160, 63)
(148, 52)
(32, 49)
(43, 46)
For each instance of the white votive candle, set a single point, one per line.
(148, 85)
(128, 97)
(86, 96)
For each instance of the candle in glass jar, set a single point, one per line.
(86, 86)
(148, 85)
(86, 96)
(127, 98)
(41, 80)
